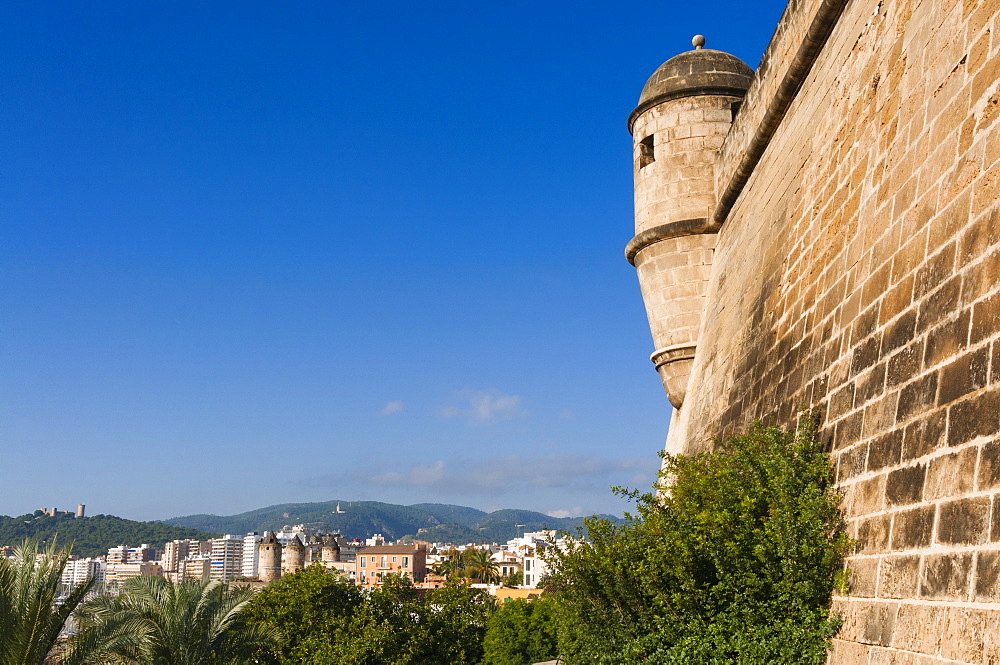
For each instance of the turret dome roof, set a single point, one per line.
(697, 72)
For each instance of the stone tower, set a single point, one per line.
(269, 553)
(293, 557)
(331, 549)
(684, 113)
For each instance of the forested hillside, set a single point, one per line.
(91, 536)
(362, 519)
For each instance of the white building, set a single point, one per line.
(287, 533)
(251, 555)
(226, 557)
(176, 551)
(530, 547)
(125, 554)
(197, 568)
(116, 574)
(78, 571)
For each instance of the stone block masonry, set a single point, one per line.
(858, 271)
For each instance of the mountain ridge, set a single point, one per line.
(92, 536)
(363, 519)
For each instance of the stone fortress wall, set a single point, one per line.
(849, 259)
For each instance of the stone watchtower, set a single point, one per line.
(685, 111)
(331, 549)
(269, 558)
(294, 556)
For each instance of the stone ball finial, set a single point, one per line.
(698, 41)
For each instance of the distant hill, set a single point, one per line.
(359, 519)
(363, 519)
(92, 536)
(449, 514)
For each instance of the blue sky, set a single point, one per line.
(254, 254)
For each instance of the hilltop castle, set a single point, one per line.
(826, 231)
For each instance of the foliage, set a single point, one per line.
(31, 613)
(91, 536)
(325, 619)
(159, 622)
(479, 565)
(470, 565)
(307, 608)
(734, 562)
(513, 580)
(521, 632)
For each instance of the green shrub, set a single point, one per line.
(734, 563)
(521, 632)
(326, 620)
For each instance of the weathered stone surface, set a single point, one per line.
(863, 576)
(847, 653)
(964, 375)
(974, 417)
(951, 475)
(947, 340)
(995, 522)
(964, 634)
(913, 528)
(989, 466)
(987, 577)
(905, 486)
(873, 534)
(924, 435)
(857, 270)
(946, 576)
(917, 397)
(867, 496)
(852, 462)
(885, 450)
(919, 628)
(898, 576)
(964, 522)
(880, 620)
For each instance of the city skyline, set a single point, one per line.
(256, 256)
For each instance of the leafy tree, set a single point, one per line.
(188, 623)
(308, 609)
(521, 632)
(325, 619)
(31, 613)
(450, 565)
(454, 620)
(735, 562)
(479, 565)
(513, 580)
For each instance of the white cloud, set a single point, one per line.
(483, 406)
(513, 473)
(551, 482)
(394, 406)
(418, 476)
(575, 511)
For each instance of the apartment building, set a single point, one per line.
(373, 564)
(226, 557)
(176, 551)
(197, 569)
(78, 571)
(116, 574)
(251, 555)
(126, 554)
